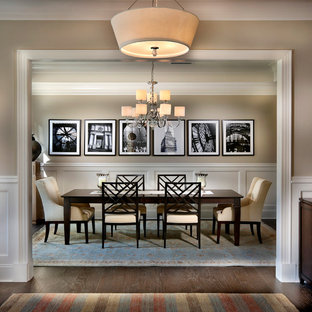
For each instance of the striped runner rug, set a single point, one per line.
(44, 302)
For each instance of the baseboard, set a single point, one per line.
(16, 272)
(287, 273)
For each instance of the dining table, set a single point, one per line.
(93, 196)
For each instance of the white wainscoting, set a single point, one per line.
(9, 227)
(224, 176)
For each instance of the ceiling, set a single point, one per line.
(204, 9)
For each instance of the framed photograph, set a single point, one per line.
(64, 137)
(133, 140)
(100, 137)
(238, 137)
(203, 137)
(170, 140)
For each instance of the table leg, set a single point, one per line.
(66, 220)
(237, 214)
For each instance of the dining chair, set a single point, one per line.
(53, 208)
(161, 181)
(182, 206)
(251, 209)
(120, 206)
(139, 178)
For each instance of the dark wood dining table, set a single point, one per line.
(90, 196)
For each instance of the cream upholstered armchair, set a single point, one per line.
(251, 209)
(52, 203)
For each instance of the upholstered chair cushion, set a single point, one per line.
(182, 218)
(120, 218)
(53, 204)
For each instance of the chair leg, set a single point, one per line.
(93, 225)
(186, 227)
(112, 230)
(164, 233)
(259, 232)
(47, 232)
(144, 224)
(103, 233)
(213, 224)
(218, 232)
(78, 226)
(55, 228)
(191, 230)
(115, 226)
(158, 220)
(138, 233)
(198, 235)
(251, 229)
(86, 232)
(227, 228)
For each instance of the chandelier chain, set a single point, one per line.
(155, 4)
(132, 4)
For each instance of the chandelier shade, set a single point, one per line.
(154, 32)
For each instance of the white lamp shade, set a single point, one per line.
(165, 109)
(138, 31)
(164, 95)
(126, 111)
(179, 111)
(141, 109)
(141, 95)
(133, 113)
(149, 97)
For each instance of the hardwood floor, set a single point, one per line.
(160, 279)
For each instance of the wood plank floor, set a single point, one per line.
(160, 279)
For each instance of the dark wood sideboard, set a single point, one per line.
(305, 253)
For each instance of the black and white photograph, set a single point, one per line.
(133, 140)
(64, 137)
(100, 137)
(238, 137)
(203, 137)
(169, 140)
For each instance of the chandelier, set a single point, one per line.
(148, 111)
(155, 32)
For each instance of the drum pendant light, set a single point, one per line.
(154, 32)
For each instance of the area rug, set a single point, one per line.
(148, 302)
(120, 250)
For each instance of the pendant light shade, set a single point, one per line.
(154, 32)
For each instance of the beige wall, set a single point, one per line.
(260, 108)
(91, 35)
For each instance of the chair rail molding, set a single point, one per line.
(285, 267)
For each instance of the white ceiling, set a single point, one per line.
(204, 9)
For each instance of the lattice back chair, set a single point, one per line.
(120, 206)
(161, 182)
(182, 206)
(138, 178)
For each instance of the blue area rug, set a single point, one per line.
(120, 250)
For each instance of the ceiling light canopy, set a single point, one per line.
(154, 32)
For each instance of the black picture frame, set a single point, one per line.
(203, 137)
(238, 137)
(100, 137)
(170, 139)
(64, 137)
(133, 140)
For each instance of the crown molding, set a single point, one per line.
(206, 10)
(177, 88)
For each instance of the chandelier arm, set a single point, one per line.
(132, 4)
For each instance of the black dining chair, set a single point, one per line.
(139, 179)
(182, 206)
(120, 206)
(161, 181)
